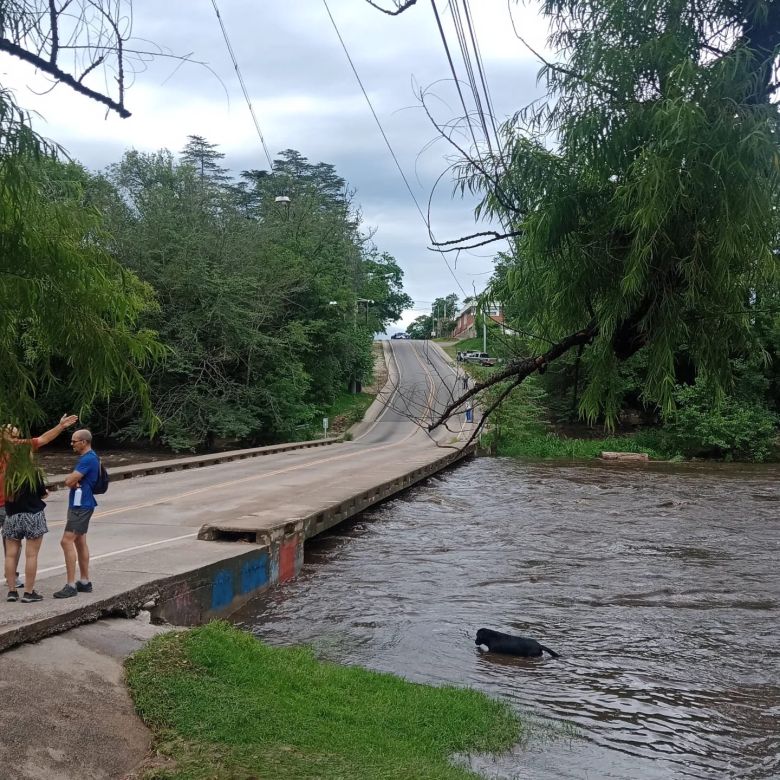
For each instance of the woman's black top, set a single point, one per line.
(29, 498)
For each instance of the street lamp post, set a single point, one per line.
(368, 302)
(283, 200)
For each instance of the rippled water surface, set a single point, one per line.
(659, 586)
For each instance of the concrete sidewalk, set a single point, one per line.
(83, 723)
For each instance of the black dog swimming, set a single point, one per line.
(496, 642)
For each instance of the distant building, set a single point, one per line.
(465, 324)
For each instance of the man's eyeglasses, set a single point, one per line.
(76, 441)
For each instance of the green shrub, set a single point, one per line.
(730, 428)
(553, 446)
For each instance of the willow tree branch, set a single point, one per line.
(55, 34)
(486, 414)
(399, 10)
(473, 161)
(518, 370)
(494, 236)
(53, 70)
(95, 64)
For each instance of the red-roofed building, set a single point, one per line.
(465, 325)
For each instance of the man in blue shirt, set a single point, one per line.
(81, 505)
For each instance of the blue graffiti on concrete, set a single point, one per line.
(254, 574)
(222, 589)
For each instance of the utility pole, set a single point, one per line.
(484, 334)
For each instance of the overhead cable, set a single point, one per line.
(388, 144)
(481, 70)
(466, 55)
(467, 113)
(243, 85)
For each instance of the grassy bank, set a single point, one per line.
(520, 428)
(222, 704)
(346, 410)
(552, 445)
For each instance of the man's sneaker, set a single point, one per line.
(83, 587)
(13, 595)
(29, 597)
(67, 592)
(19, 581)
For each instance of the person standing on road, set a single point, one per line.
(11, 438)
(25, 519)
(81, 505)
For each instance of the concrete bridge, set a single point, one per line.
(195, 538)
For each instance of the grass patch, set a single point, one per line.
(551, 446)
(519, 428)
(222, 704)
(345, 411)
(349, 408)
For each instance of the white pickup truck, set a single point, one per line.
(479, 358)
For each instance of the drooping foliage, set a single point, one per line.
(644, 191)
(69, 312)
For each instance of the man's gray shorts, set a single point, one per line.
(78, 519)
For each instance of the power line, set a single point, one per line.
(467, 62)
(243, 85)
(466, 55)
(467, 113)
(481, 70)
(387, 142)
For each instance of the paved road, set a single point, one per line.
(147, 526)
(423, 381)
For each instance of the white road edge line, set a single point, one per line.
(119, 552)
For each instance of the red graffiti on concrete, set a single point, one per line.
(288, 560)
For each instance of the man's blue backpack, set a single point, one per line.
(101, 483)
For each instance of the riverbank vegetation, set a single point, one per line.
(222, 704)
(638, 209)
(542, 418)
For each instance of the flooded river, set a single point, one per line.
(658, 585)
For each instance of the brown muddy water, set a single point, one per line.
(658, 585)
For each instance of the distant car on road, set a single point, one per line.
(400, 336)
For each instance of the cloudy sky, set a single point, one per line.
(306, 97)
